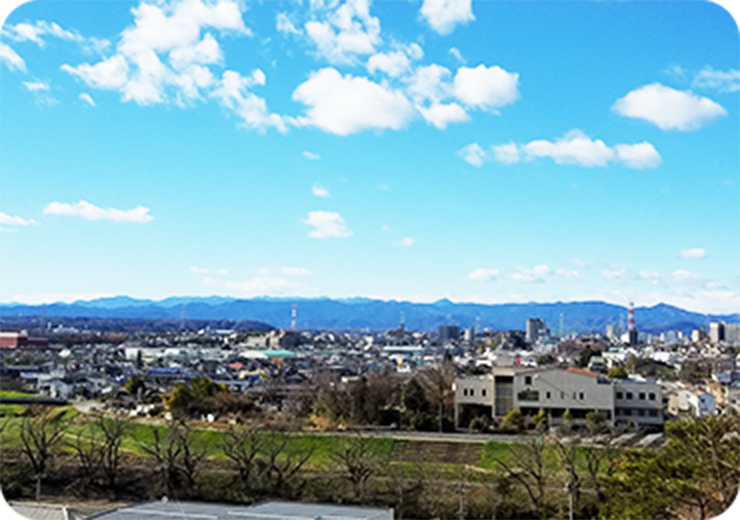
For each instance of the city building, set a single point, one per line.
(557, 390)
(716, 332)
(449, 333)
(732, 334)
(536, 330)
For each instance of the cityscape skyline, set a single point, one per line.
(392, 150)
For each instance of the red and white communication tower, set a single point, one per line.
(631, 330)
(293, 317)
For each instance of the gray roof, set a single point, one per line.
(162, 510)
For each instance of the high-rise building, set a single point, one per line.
(716, 332)
(732, 334)
(536, 329)
(632, 336)
(449, 332)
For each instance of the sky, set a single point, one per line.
(412, 150)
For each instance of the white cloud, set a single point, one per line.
(486, 88)
(506, 153)
(684, 276)
(199, 270)
(406, 241)
(88, 211)
(455, 52)
(345, 105)
(575, 147)
(638, 156)
(648, 275)
(473, 154)
(87, 99)
(319, 191)
(536, 274)
(15, 220)
(440, 115)
(312, 156)
(36, 86)
(667, 108)
(483, 274)
(222, 271)
(166, 55)
(393, 63)
(694, 252)
(617, 272)
(33, 33)
(295, 271)
(327, 224)
(384, 228)
(567, 273)
(346, 32)
(722, 81)
(11, 58)
(444, 15)
(284, 25)
(265, 286)
(232, 92)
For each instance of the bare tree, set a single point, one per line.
(89, 454)
(113, 432)
(526, 465)
(437, 382)
(284, 461)
(359, 456)
(242, 446)
(39, 436)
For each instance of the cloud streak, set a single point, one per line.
(88, 211)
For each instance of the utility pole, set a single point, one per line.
(460, 490)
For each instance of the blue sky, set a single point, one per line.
(416, 150)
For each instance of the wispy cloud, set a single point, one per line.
(722, 81)
(88, 211)
(536, 274)
(11, 59)
(483, 274)
(199, 270)
(312, 156)
(295, 271)
(406, 241)
(87, 99)
(319, 191)
(694, 252)
(15, 220)
(473, 154)
(327, 224)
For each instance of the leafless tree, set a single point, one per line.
(284, 461)
(39, 436)
(437, 382)
(526, 464)
(113, 432)
(242, 446)
(178, 453)
(89, 453)
(360, 458)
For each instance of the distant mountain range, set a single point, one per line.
(364, 313)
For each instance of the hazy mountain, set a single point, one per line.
(361, 313)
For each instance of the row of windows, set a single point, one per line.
(641, 395)
(627, 412)
(471, 392)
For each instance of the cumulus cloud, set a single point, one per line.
(536, 274)
(166, 57)
(486, 88)
(11, 59)
(84, 209)
(312, 156)
(232, 92)
(345, 32)
(444, 15)
(327, 224)
(667, 108)
(345, 105)
(319, 191)
(473, 154)
(575, 147)
(694, 252)
(87, 99)
(395, 63)
(483, 274)
(15, 220)
(722, 81)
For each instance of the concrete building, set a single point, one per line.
(698, 334)
(536, 330)
(557, 390)
(449, 333)
(732, 334)
(716, 332)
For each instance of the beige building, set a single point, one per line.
(557, 390)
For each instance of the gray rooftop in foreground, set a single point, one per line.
(162, 510)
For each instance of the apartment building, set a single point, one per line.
(557, 390)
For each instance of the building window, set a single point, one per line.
(652, 396)
(580, 396)
(627, 412)
(620, 395)
(547, 395)
(629, 395)
(483, 392)
(641, 412)
(562, 395)
(472, 392)
(642, 396)
(527, 380)
(653, 413)
(465, 391)
(528, 395)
